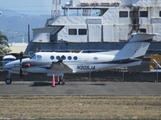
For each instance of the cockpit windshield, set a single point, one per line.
(34, 56)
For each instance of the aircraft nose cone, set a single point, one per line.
(12, 64)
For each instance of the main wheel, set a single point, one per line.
(8, 81)
(62, 83)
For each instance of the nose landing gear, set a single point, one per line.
(8, 79)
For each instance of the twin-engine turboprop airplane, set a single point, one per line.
(59, 63)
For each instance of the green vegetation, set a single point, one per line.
(4, 44)
(16, 26)
(80, 107)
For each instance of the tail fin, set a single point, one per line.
(157, 63)
(136, 47)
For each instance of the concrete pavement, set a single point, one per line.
(81, 88)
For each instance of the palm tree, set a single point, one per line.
(4, 44)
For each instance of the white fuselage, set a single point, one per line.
(78, 62)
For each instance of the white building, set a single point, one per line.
(97, 25)
(102, 21)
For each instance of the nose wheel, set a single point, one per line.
(8, 81)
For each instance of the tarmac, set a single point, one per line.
(81, 88)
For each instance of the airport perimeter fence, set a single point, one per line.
(111, 76)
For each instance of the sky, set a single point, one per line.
(29, 6)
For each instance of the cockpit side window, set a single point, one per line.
(34, 57)
(39, 57)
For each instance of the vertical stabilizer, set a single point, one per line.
(136, 47)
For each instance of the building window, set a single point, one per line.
(143, 13)
(142, 30)
(123, 14)
(72, 31)
(159, 13)
(82, 31)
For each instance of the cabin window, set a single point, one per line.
(72, 31)
(95, 58)
(82, 31)
(159, 13)
(52, 57)
(69, 57)
(63, 57)
(75, 57)
(143, 13)
(123, 14)
(58, 57)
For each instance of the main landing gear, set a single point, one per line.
(59, 80)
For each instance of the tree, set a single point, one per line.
(4, 47)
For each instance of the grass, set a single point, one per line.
(80, 107)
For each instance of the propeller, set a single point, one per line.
(21, 57)
(61, 59)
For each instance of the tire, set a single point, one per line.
(8, 81)
(62, 83)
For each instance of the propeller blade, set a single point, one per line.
(21, 57)
(21, 72)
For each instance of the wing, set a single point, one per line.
(60, 66)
